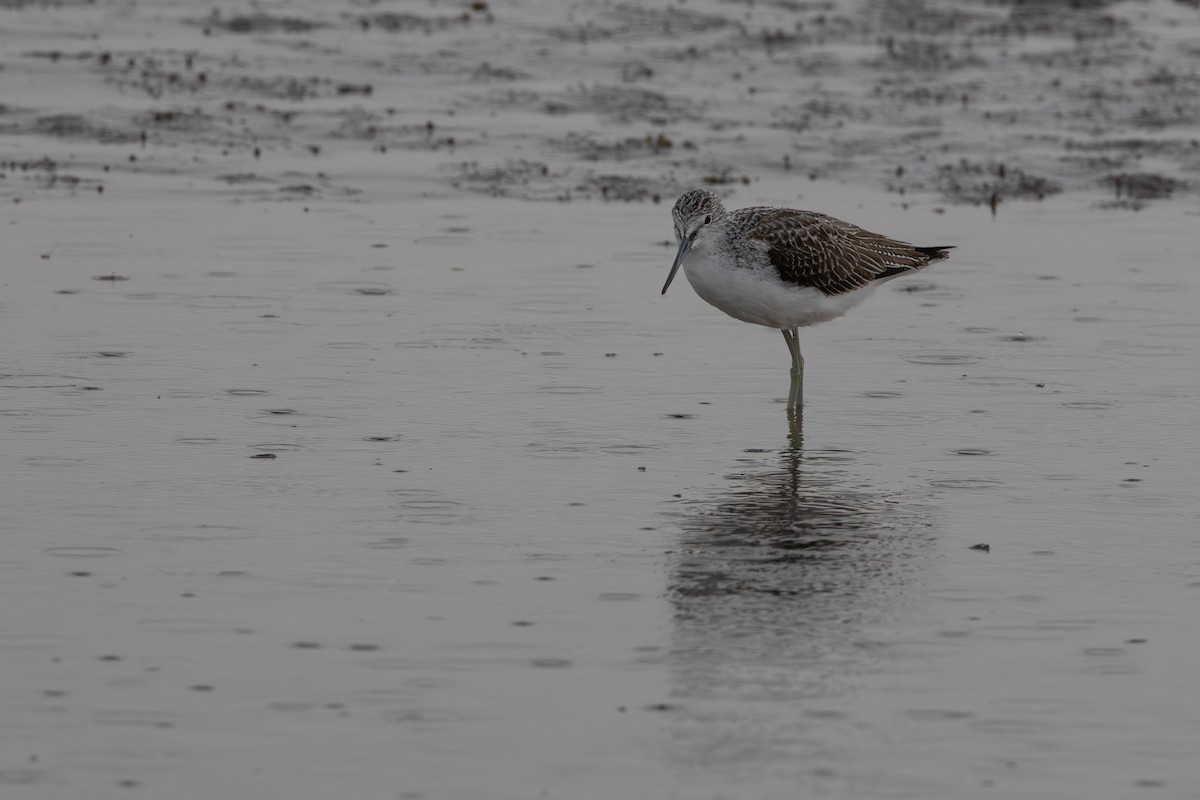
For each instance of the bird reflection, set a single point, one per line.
(778, 576)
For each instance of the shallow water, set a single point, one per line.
(354, 471)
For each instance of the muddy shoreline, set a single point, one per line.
(976, 103)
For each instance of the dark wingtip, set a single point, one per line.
(936, 253)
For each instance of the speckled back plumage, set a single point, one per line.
(811, 249)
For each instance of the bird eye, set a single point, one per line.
(708, 219)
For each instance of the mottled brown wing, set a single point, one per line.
(810, 249)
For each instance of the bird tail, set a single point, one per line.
(935, 253)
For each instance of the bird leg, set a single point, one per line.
(797, 387)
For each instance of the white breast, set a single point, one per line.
(757, 295)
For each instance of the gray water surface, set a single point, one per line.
(335, 463)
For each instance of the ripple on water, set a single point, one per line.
(137, 718)
(464, 342)
(942, 359)
(1142, 350)
(434, 511)
(937, 714)
(1008, 726)
(440, 239)
(526, 235)
(227, 302)
(1066, 624)
(995, 380)
(22, 777)
(390, 663)
(40, 381)
(389, 543)
(893, 419)
(1161, 288)
(78, 551)
(568, 389)
(548, 450)
(347, 345)
(198, 532)
(1174, 330)
(426, 505)
(276, 447)
(966, 483)
(422, 717)
(627, 449)
(1041, 706)
(1110, 669)
(291, 706)
(534, 306)
(1104, 651)
(188, 625)
(184, 395)
(52, 461)
(551, 663)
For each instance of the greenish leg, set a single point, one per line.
(796, 392)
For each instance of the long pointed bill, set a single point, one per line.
(685, 247)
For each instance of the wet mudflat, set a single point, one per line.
(349, 447)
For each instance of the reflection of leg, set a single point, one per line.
(795, 428)
(796, 392)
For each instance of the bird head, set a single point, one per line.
(693, 212)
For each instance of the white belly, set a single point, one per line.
(759, 297)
